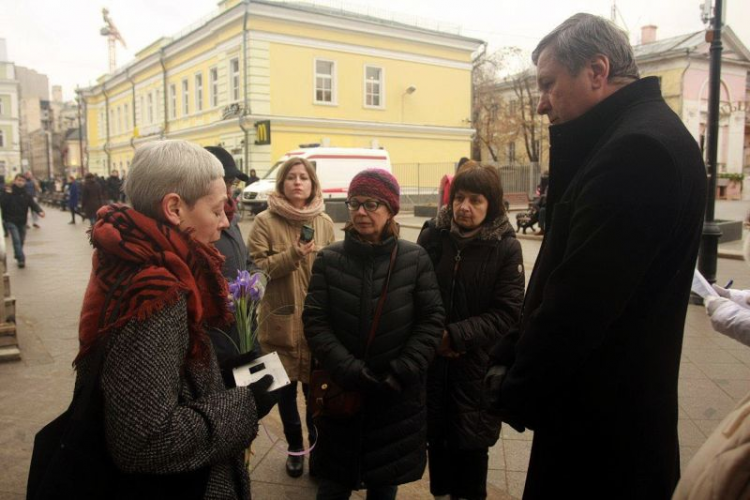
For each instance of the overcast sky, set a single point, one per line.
(61, 37)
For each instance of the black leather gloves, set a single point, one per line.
(264, 400)
(493, 383)
(386, 383)
(370, 382)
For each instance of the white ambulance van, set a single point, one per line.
(335, 168)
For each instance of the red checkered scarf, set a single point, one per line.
(140, 266)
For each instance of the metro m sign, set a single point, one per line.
(263, 133)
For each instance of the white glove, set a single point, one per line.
(739, 297)
(729, 318)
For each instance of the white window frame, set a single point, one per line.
(2, 138)
(185, 97)
(126, 112)
(198, 84)
(150, 107)
(381, 84)
(119, 120)
(213, 77)
(234, 80)
(173, 100)
(2, 108)
(334, 82)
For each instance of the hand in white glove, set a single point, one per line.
(740, 297)
(729, 318)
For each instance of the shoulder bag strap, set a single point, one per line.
(381, 302)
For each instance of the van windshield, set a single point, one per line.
(271, 174)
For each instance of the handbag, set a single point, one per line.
(70, 457)
(328, 398)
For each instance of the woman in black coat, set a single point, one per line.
(479, 266)
(92, 197)
(384, 444)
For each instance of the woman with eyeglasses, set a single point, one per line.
(373, 319)
(277, 246)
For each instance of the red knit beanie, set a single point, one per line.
(377, 183)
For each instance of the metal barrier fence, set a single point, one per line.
(423, 179)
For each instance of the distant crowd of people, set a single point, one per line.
(410, 356)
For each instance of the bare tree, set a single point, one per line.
(487, 105)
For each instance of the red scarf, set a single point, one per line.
(145, 265)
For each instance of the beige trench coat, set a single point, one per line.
(271, 245)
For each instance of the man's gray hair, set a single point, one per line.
(581, 37)
(163, 167)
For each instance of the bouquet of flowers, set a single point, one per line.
(245, 293)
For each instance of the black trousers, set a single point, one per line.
(290, 417)
(460, 473)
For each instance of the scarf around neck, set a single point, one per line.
(280, 206)
(139, 267)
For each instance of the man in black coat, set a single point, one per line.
(232, 246)
(15, 202)
(594, 372)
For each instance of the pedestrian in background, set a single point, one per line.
(114, 187)
(276, 245)
(171, 428)
(253, 177)
(594, 372)
(72, 198)
(380, 352)
(479, 266)
(33, 188)
(92, 197)
(16, 202)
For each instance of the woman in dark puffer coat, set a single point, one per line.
(384, 445)
(479, 266)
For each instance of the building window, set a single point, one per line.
(512, 105)
(512, 153)
(374, 87)
(185, 98)
(2, 139)
(2, 107)
(150, 99)
(234, 75)
(214, 76)
(119, 120)
(111, 124)
(173, 100)
(198, 92)
(127, 117)
(325, 81)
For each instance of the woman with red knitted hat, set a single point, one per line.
(373, 320)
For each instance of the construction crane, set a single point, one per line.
(113, 35)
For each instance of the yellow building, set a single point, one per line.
(319, 76)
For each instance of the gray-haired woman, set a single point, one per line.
(156, 285)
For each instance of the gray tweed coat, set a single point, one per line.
(165, 415)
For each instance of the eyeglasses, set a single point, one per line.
(370, 205)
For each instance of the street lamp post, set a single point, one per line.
(707, 256)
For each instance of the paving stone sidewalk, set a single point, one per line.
(715, 371)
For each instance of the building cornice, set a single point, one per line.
(356, 49)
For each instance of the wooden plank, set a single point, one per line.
(10, 353)
(8, 340)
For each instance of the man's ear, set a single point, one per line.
(171, 205)
(599, 67)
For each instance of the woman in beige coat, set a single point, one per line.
(276, 247)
